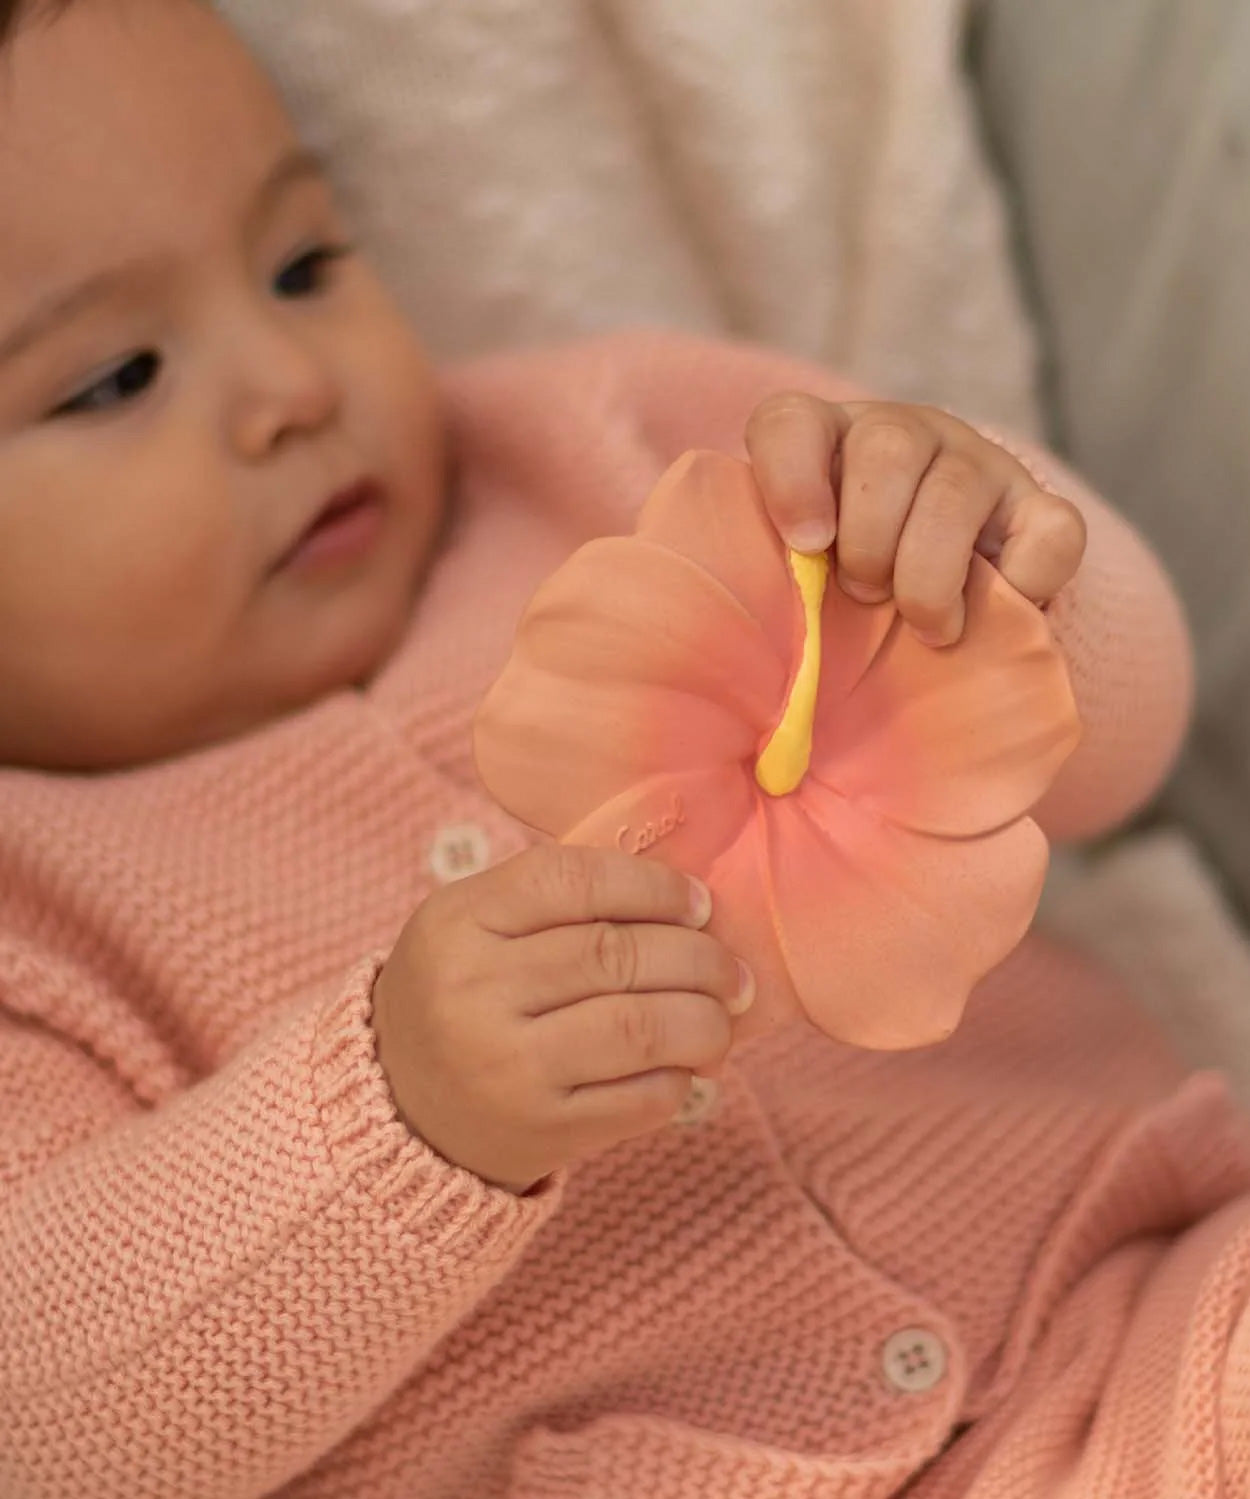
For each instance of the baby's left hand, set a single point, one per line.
(906, 494)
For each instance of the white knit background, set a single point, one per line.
(803, 172)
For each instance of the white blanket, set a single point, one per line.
(1150, 908)
(804, 172)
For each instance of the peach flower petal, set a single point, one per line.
(851, 638)
(684, 819)
(957, 741)
(742, 918)
(649, 672)
(884, 931)
(552, 750)
(708, 508)
(625, 610)
(709, 823)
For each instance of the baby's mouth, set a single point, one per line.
(341, 532)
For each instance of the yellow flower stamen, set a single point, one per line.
(786, 756)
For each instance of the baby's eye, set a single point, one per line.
(307, 273)
(123, 383)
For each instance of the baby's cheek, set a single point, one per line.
(117, 537)
(407, 429)
(178, 571)
(394, 402)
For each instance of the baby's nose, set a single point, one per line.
(284, 386)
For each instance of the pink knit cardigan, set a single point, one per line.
(1011, 1266)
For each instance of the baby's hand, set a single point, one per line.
(551, 1007)
(908, 493)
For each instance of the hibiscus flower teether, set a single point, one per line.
(856, 801)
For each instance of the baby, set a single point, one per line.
(349, 1144)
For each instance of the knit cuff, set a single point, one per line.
(372, 1146)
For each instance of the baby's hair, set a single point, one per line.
(12, 11)
(8, 17)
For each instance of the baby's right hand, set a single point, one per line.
(552, 1006)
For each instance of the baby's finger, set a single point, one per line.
(613, 1036)
(956, 498)
(557, 885)
(885, 454)
(603, 1114)
(1037, 540)
(571, 963)
(792, 438)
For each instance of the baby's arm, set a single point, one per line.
(1123, 633)
(1175, 1416)
(1141, 1385)
(204, 1297)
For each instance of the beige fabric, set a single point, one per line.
(806, 173)
(1150, 909)
(1126, 129)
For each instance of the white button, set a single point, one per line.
(914, 1360)
(459, 850)
(699, 1101)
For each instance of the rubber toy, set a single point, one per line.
(856, 801)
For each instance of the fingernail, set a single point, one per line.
(810, 536)
(935, 639)
(704, 1092)
(700, 902)
(745, 997)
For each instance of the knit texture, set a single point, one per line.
(807, 173)
(227, 1270)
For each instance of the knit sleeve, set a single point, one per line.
(1124, 636)
(1119, 623)
(1173, 1415)
(690, 392)
(205, 1297)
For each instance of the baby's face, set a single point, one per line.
(220, 455)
